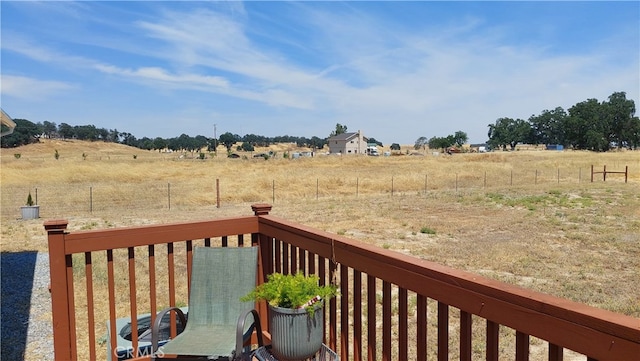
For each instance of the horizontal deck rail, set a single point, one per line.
(392, 306)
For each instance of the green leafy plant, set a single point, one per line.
(427, 230)
(29, 200)
(17, 155)
(291, 291)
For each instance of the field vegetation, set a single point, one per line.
(529, 217)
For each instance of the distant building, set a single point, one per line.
(348, 143)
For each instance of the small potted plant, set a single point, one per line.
(295, 324)
(31, 210)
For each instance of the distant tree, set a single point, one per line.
(441, 142)
(395, 146)
(129, 139)
(65, 130)
(49, 129)
(114, 136)
(340, 129)
(317, 143)
(228, 140)
(460, 138)
(24, 133)
(623, 126)
(421, 143)
(246, 146)
(145, 143)
(373, 140)
(547, 128)
(159, 143)
(587, 126)
(508, 132)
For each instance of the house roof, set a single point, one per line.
(346, 137)
(7, 121)
(343, 136)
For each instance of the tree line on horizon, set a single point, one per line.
(588, 125)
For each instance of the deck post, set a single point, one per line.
(63, 332)
(261, 209)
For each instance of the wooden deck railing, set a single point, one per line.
(392, 306)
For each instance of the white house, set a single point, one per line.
(348, 143)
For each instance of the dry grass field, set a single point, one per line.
(529, 217)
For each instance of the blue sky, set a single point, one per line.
(395, 70)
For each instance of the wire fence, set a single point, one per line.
(85, 199)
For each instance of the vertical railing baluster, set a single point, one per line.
(333, 306)
(555, 352)
(421, 325)
(403, 326)
(88, 271)
(493, 332)
(241, 240)
(443, 331)
(322, 274)
(522, 346)
(225, 241)
(302, 261)
(285, 258)
(152, 282)
(371, 318)
(465, 336)
(133, 308)
(357, 315)
(278, 257)
(112, 300)
(293, 251)
(312, 264)
(189, 251)
(172, 287)
(344, 312)
(386, 321)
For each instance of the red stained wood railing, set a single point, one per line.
(384, 294)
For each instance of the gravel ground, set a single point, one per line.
(27, 332)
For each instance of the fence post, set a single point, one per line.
(626, 173)
(217, 192)
(536, 179)
(558, 175)
(36, 195)
(61, 288)
(604, 174)
(425, 184)
(273, 191)
(592, 173)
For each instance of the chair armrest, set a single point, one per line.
(155, 329)
(241, 336)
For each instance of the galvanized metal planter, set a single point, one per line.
(30, 212)
(295, 334)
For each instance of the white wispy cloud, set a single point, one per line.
(30, 88)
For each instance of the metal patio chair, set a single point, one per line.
(216, 327)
